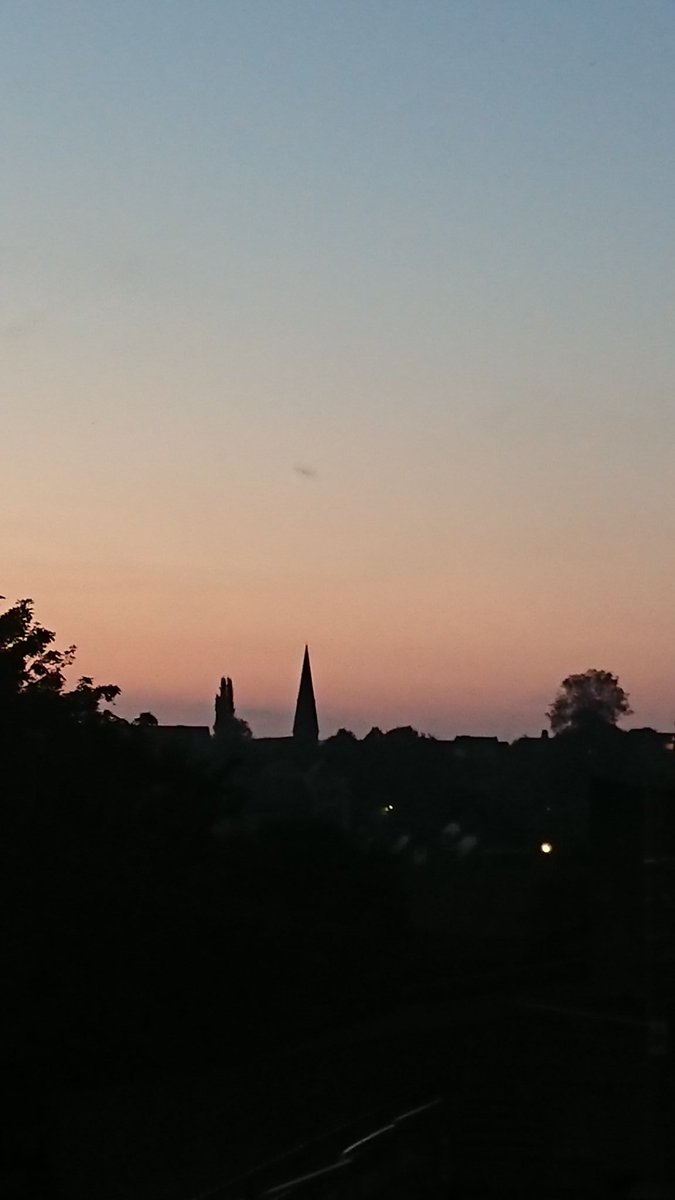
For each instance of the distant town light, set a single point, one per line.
(670, 745)
(546, 847)
(386, 809)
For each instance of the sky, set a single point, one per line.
(347, 322)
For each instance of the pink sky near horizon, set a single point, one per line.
(422, 665)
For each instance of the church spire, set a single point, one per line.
(306, 723)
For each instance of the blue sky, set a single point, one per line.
(424, 249)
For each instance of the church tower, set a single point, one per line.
(306, 723)
(224, 708)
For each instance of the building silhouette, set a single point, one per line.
(224, 707)
(306, 722)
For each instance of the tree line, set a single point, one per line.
(33, 685)
(140, 928)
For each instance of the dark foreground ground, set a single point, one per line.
(543, 1096)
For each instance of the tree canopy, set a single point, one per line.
(145, 720)
(33, 672)
(591, 700)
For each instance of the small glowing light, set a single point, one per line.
(388, 808)
(546, 847)
(670, 745)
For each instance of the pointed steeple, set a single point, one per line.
(306, 723)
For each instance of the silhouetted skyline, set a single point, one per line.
(182, 906)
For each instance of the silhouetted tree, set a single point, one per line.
(342, 745)
(145, 720)
(588, 701)
(404, 735)
(228, 727)
(25, 658)
(32, 672)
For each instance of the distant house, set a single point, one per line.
(472, 748)
(651, 739)
(192, 741)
